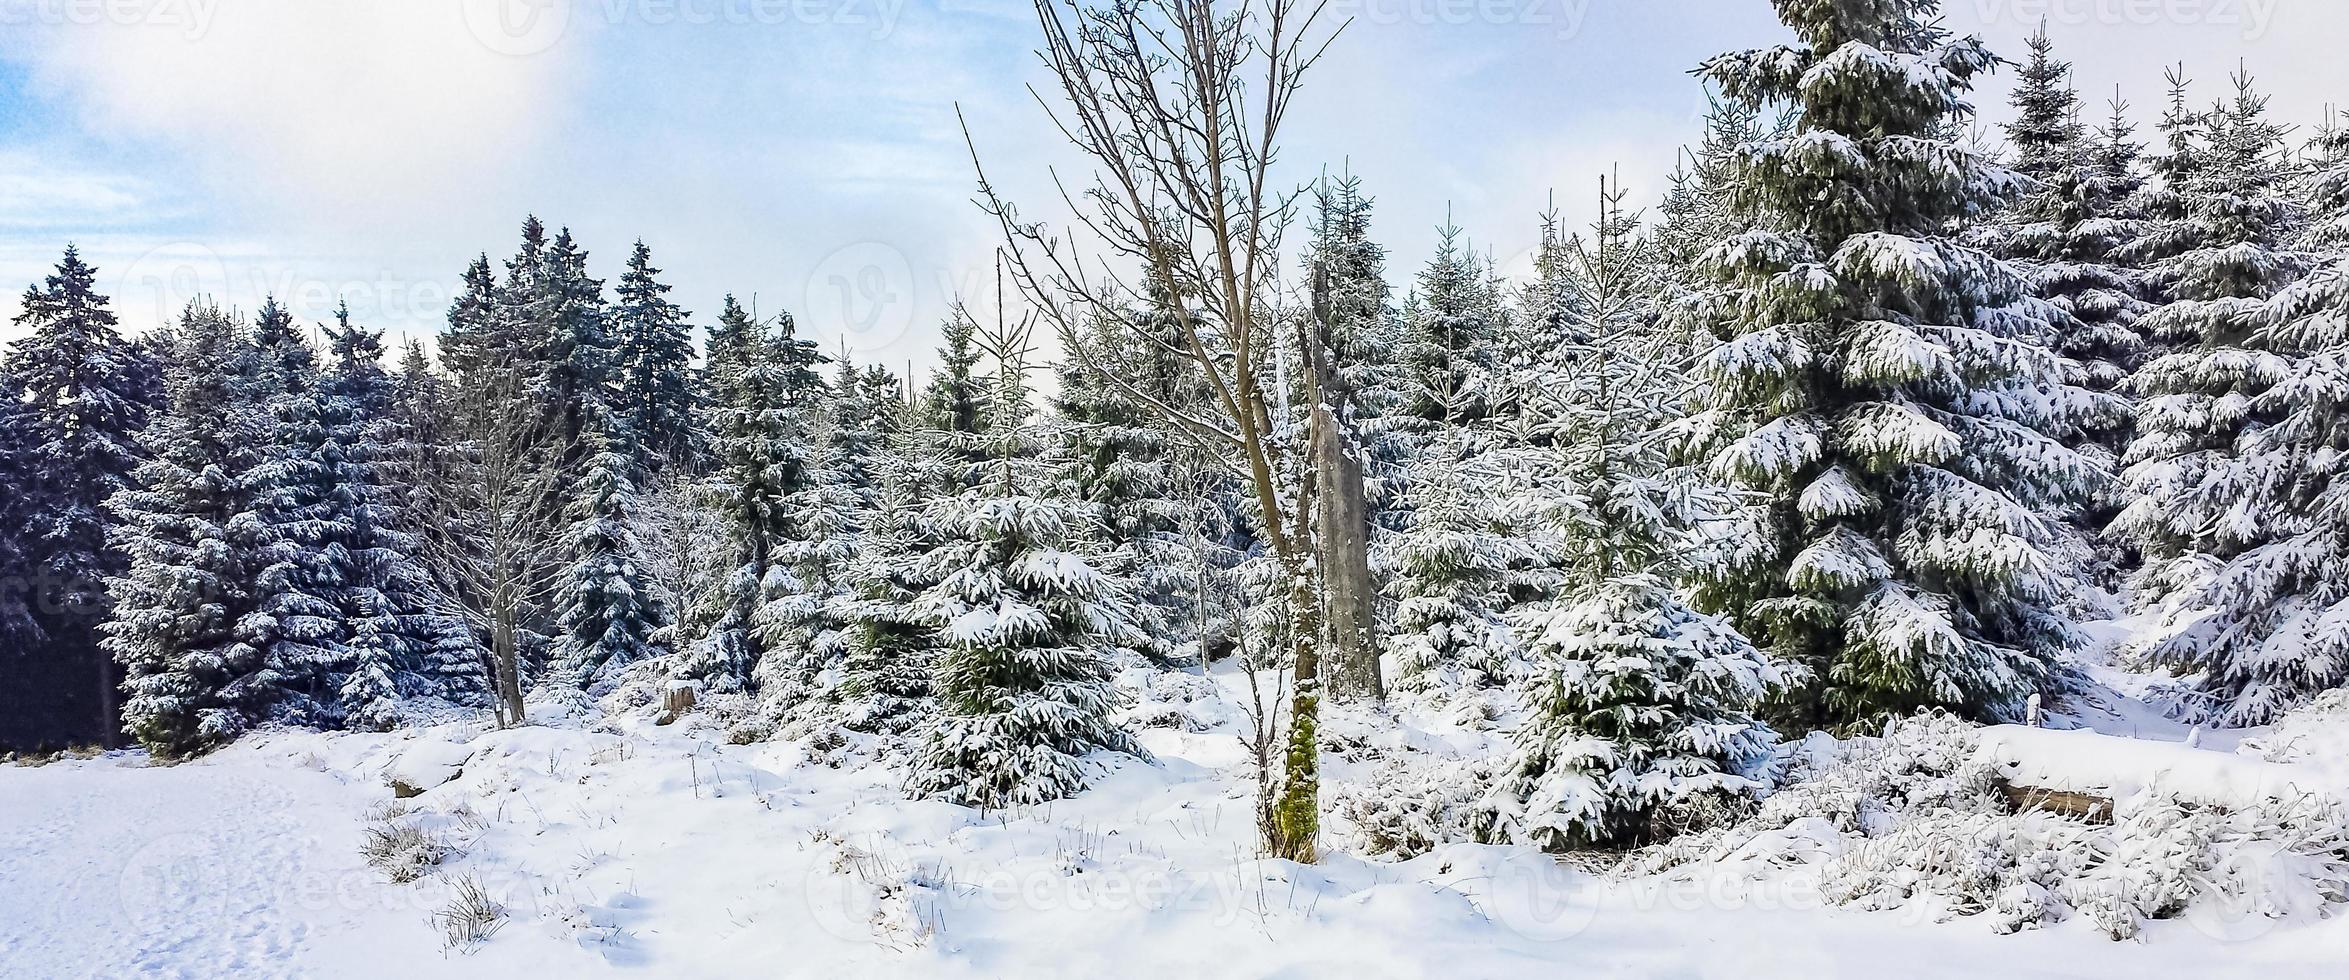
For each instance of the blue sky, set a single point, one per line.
(805, 151)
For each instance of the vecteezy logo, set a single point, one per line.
(162, 282)
(174, 875)
(1541, 899)
(2242, 907)
(865, 290)
(517, 27)
(844, 887)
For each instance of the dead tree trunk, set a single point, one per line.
(1341, 513)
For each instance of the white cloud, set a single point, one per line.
(298, 107)
(368, 148)
(35, 196)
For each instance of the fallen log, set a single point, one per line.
(2062, 803)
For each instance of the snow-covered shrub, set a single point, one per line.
(1914, 819)
(471, 916)
(1178, 700)
(2316, 730)
(403, 851)
(1414, 803)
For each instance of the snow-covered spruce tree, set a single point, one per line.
(2324, 190)
(576, 362)
(192, 680)
(421, 413)
(2164, 227)
(1638, 701)
(18, 630)
(1366, 340)
(1452, 325)
(801, 624)
(1023, 680)
(1448, 577)
(2065, 234)
(1119, 460)
(1545, 327)
(414, 643)
(1698, 212)
(606, 613)
(891, 644)
(370, 688)
(868, 412)
(474, 342)
(82, 404)
(1883, 387)
(653, 367)
(2240, 460)
(1365, 337)
(2209, 487)
(301, 567)
(954, 406)
(1118, 457)
(355, 400)
(763, 387)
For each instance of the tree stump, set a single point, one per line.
(677, 701)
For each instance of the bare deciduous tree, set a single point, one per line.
(1178, 104)
(498, 531)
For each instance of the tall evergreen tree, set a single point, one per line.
(19, 632)
(2165, 227)
(868, 413)
(82, 400)
(954, 407)
(1699, 210)
(195, 678)
(576, 367)
(1549, 316)
(606, 613)
(1882, 385)
(801, 626)
(301, 567)
(891, 643)
(1367, 342)
(474, 340)
(403, 637)
(1119, 461)
(1453, 327)
(655, 365)
(2065, 234)
(1449, 577)
(2223, 492)
(1365, 336)
(763, 388)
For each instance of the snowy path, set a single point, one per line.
(193, 871)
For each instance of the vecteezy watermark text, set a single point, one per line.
(190, 17)
(2252, 17)
(1567, 16)
(527, 27)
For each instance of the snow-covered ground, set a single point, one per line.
(619, 847)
